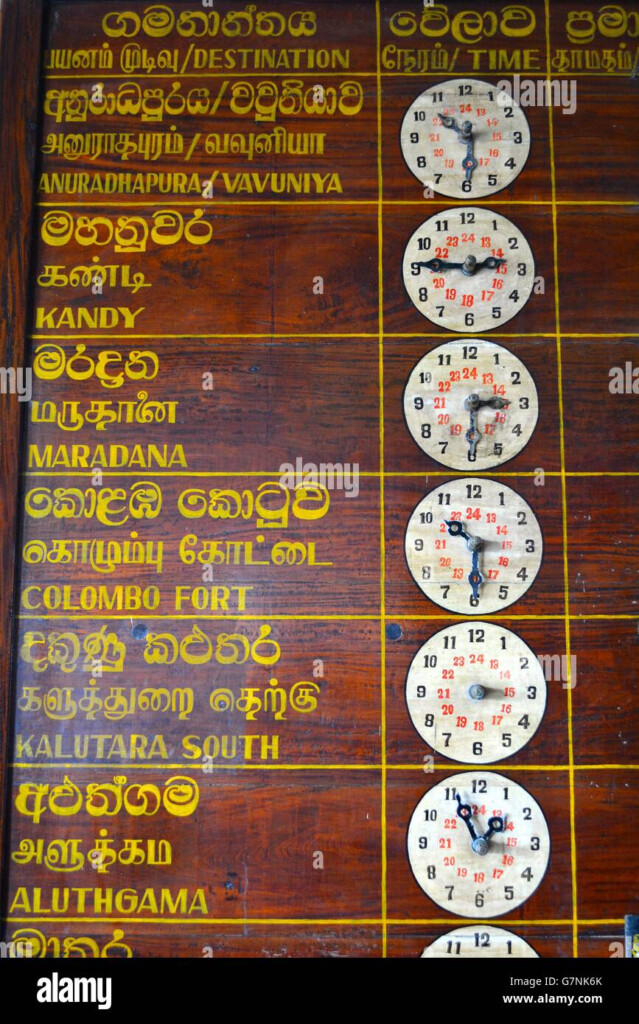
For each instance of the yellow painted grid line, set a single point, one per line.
(87, 75)
(345, 921)
(382, 525)
(465, 618)
(118, 204)
(212, 336)
(160, 766)
(564, 507)
(389, 616)
(414, 474)
(167, 200)
(230, 615)
(324, 335)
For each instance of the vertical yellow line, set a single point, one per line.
(564, 505)
(380, 187)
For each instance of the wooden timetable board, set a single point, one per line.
(319, 420)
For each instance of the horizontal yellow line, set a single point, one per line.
(467, 618)
(212, 336)
(414, 474)
(317, 72)
(509, 921)
(197, 765)
(460, 618)
(505, 765)
(118, 204)
(392, 616)
(498, 334)
(198, 921)
(494, 74)
(443, 766)
(231, 73)
(454, 922)
(215, 202)
(231, 615)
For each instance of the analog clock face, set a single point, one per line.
(471, 404)
(476, 692)
(478, 844)
(485, 941)
(465, 138)
(473, 546)
(468, 268)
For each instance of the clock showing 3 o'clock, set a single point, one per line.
(475, 692)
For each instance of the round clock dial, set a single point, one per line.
(473, 546)
(478, 844)
(468, 267)
(476, 692)
(471, 402)
(485, 941)
(465, 138)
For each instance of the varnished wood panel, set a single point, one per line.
(20, 33)
(297, 310)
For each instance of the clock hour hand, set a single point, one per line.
(465, 136)
(465, 812)
(495, 402)
(474, 544)
(469, 267)
(473, 403)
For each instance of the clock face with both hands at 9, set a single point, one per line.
(468, 269)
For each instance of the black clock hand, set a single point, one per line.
(494, 825)
(473, 434)
(479, 844)
(469, 267)
(465, 812)
(475, 578)
(473, 544)
(475, 402)
(465, 136)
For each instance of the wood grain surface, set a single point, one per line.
(283, 341)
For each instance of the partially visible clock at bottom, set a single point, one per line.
(483, 941)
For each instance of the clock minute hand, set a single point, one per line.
(473, 403)
(475, 578)
(469, 267)
(465, 136)
(494, 825)
(474, 544)
(473, 434)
